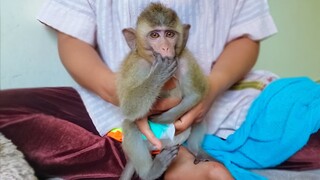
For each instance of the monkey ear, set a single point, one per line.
(183, 41)
(186, 28)
(130, 36)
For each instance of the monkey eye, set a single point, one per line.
(154, 35)
(170, 34)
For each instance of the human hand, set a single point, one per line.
(196, 114)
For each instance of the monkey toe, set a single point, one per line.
(197, 161)
(203, 158)
(168, 154)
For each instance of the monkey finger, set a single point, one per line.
(167, 60)
(173, 67)
(173, 61)
(174, 64)
(158, 59)
(197, 161)
(172, 150)
(156, 64)
(155, 54)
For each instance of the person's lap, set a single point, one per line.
(183, 167)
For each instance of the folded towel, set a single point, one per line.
(278, 124)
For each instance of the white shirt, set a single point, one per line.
(214, 23)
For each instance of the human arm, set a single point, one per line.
(237, 59)
(86, 67)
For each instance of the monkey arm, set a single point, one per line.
(174, 113)
(139, 155)
(140, 84)
(136, 95)
(193, 85)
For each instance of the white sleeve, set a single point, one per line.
(73, 17)
(252, 18)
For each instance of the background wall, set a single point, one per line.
(295, 50)
(29, 55)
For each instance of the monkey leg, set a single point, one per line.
(136, 149)
(139, 155)
(195, 139)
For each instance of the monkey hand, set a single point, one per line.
(194, 115)
(162, 69)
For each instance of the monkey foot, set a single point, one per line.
(197, 161)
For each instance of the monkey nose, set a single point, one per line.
(166, 52)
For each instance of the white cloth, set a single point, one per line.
(99, 22)
(230, 109)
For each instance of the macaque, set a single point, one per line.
(158, 56)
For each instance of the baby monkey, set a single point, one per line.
(158, 55)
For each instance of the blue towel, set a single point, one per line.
(279, 123)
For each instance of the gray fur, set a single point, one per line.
(133, 90)
(142, 162)
(140, 83)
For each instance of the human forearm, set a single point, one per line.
(233, 64)
(85, 65)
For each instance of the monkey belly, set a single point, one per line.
(170, 84)
(170, 96)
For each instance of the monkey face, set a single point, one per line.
(163, 41)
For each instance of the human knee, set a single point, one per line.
(217, 171)
(170, 175)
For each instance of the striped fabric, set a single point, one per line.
(99, 22)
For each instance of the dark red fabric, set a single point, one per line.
(54, 131)
(307, 158)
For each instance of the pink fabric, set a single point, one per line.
(52, 128)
